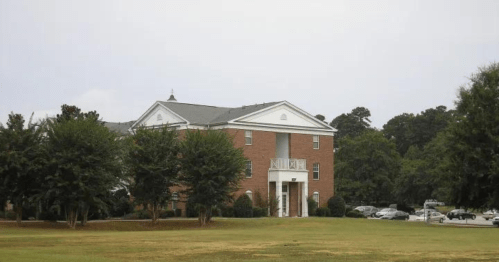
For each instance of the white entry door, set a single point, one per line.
(285, 199)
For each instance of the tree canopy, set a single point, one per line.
(351, 124)
(474, 151)
(153, 164)
(211, 169)
(83, 163)
(20, 161)
(366, 167)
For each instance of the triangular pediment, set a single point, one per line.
(284, 114)
(158, 115)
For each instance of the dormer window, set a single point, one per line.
(284, 117)
(159, 117)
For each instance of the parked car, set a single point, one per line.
(368, 211)
(490, 214)
(384, 211)
(396, 215)
(460, 214)
(434, 217)
(421, 211)
(495, 221)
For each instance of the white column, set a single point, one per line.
(304, 203)
(278, 192)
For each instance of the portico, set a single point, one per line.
(291, 186)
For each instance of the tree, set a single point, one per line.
(211, 168)
(351, 124)
(83, 163)
(366, 167)
(474, 151)
(417, 130)
(153, 165)
(20, 161)
(320, 117)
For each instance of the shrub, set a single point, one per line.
(227, 211)
(178, 212)
(273, 205)
(355, 213)
(260, 212)
(312, 206)
(167, 214)
(243, 207)
(260, 201)
(323, 212)
(191, 209)
(143, 214)
(10, 215)
(337, 206)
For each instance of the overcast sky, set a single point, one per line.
(326, 57)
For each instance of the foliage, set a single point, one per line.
(153, 163)
(120, 203)
(260, 212)
(417, 130)
(211, 168)
(474, 151)
(227, 211)
(320, 117)
(323, 212)
(83, 165)
(366, 167)
(355, 214)
(243, 207)
(259, 200)
(312, 206)
(167, 214)
(337, 206)
(273, 205)
(21, 160)
(351, 124)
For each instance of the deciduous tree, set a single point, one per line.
(474, 151)
(153, 165)
(211, 168)
(20, 161)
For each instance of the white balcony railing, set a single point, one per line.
(288, 164)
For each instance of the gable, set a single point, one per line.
(284, 115)
(159, 115)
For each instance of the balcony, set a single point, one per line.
(288, 164)
(288, 170)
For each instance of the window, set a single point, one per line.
(316, 142)
(159, 117)
(248, 135)
(284, 117)
(316, 171)
(249, 169)
(315, 196)
(250, 194)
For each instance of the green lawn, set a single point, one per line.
(268, 239)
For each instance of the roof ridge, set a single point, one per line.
(196, 104)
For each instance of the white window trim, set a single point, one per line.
(159, 117)
(318, 198)
(318, 171)
(318, 141)
(250, 194)
(251, 169)
(246, 132)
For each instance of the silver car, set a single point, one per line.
(368, 211)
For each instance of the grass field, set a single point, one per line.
(268, 239)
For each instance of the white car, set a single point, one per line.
(385, 211)
(490, 214)
(434, 217)
(495, 221)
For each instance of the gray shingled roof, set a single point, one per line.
(211, 115)
(120, 127)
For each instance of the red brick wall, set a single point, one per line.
(260, 153)
(301, 146)
(293, 199)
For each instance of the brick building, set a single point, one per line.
(290, 152)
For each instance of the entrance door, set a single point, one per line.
(285, 199)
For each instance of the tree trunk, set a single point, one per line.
(19, 214)
(72, 213)
(154, 210)
(202, 215)
(209, 214)
(84, 215)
